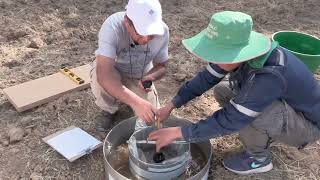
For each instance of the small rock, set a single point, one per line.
(29, 122)
(64, 34)
(180, 77)
(36, 43)
(15, 150)
(72, 23)
(36, 132)
(314, 167)
(73, 15)
(2, 39)
(15, 177)
(31, 54)
(11, 64)
(16, 34)
(15, 134)
(3, 4)
(5, 142)
(35, 176)
(29, 131)
(38, 169)
(64, 168)
(26, 121)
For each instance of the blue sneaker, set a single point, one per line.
(243, 163)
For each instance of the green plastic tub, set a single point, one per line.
(304, 46)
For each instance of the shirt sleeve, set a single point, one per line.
(202, 82)
(162, 56)
(261, 91)
(107, 40)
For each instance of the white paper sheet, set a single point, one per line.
(73, 143)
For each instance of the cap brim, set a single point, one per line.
(155, 28)
(211, 51)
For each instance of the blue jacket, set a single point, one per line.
(283, 77)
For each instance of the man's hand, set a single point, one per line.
(164, 112)
(144, 110)
(158, 70)
(146, 78)
(165, 136)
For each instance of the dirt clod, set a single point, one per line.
(5, 142)
(180, 77)
(36, 43)
(35, 176)
(15, 134)
(2, 39)
(11, 64)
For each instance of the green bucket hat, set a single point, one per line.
(228, 39)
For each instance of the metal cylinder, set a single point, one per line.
(121, 133)
(140, 163)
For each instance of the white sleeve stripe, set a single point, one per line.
(213, 72)
(281, 61)
(245, 110)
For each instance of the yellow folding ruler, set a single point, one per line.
(71, 75)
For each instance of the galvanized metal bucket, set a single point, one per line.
(121, 133)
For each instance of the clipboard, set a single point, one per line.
(72, 142)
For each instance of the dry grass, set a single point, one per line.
(69, 30)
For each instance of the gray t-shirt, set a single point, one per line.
(115, 43)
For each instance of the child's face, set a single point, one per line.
(229, 67)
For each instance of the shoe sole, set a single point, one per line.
(252, 171)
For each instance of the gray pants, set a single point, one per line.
(278, 122)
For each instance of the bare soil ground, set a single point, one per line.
(38, 36)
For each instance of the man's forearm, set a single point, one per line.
(157, 72)
(199, 84)
(110, 81)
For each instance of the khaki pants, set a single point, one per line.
(278, 122)
(110, 104)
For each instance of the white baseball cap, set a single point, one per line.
(146, 16)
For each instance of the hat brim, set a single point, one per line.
(155, 28)
(212, 51)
